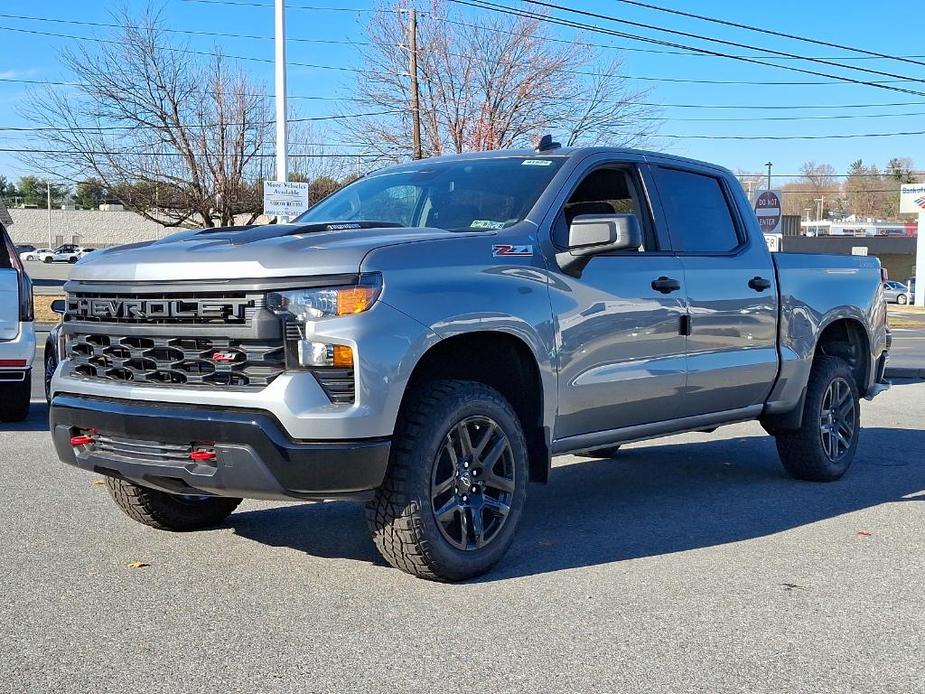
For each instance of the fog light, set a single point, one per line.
(315, 353)
(324, 354)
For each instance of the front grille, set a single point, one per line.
(143, 451)
(175, 308)
(162, 360)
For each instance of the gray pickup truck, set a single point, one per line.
(429, 337)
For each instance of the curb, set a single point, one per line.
(904, 372)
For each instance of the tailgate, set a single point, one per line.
(9, 303)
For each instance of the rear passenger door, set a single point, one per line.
(731, 288)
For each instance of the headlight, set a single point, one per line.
(328, 302)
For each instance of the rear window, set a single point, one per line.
(697, 211)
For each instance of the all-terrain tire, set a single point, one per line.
(402, 517)
(14, 400)
(605, 452)
(167, 511)
(804, 451)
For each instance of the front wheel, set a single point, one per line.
(824, 446)
(456, 484)
(47, 259)
(30, 257)
(169, 511)
(902, 299)
(51, 363)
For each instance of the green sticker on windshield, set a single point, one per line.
(486, 224)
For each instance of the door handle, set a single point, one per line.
(759, 284)
(666, 285)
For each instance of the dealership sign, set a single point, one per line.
(912, 199)
(284, 198)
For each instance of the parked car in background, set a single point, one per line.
(17, 333)
(68, 253)
(37, 254)
(896, 293)
(24, 249)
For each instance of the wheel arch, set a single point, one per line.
(503, 361)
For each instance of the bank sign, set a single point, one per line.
(912, 199)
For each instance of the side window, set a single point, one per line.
(697, 212)
(604, 191)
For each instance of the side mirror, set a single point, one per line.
(59, 306)
(593, 234)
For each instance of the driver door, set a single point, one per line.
(621, 345)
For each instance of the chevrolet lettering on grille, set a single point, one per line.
(146, 309)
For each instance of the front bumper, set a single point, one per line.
(254, 458)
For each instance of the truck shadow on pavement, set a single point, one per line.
(648, 501)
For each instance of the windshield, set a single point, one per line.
(454, 195)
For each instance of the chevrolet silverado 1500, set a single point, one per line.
(428, 337)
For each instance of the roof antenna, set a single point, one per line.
(546, 143)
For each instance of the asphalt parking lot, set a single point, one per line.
(689, 564)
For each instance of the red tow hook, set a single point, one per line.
(82, 440)
(202, 455)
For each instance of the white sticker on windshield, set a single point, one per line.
(486, 224)
(536, 162)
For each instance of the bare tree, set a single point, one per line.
(176, 138)
(490, 83)
(817, 189)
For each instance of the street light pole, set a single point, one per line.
(281, 113)
(48, 194)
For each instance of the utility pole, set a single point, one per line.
(48, 194)
(281, 112)
(415, 94)
(769, 165)
(821, 207)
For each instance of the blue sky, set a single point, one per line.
(886, 27)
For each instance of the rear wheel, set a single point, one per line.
(14, 400)
(30, 257)
(47, 259)
(169, 511)
(824, 446)
(902, 299)
(456, 484)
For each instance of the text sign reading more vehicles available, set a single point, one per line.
(912, 198)
(769, 208)
(284, 198)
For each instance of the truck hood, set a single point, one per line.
(256, 252)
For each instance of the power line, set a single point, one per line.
(673, 80)
(699, 106)
(107, 153)
(186, 32)
(110, 128)
(484, 4)
(724, 42)
(290, 6)
(764, 30)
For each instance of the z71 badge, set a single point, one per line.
(505, 249)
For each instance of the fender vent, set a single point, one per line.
(338, 384)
